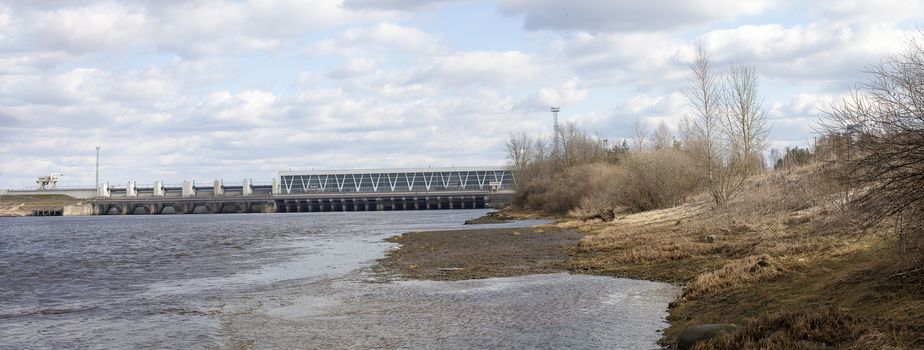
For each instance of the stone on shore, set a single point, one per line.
(689, 337)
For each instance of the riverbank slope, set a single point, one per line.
(788, 269)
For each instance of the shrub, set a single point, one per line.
(883, 126)
(640, 181)
(655, 180)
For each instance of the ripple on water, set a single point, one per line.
(536, 311)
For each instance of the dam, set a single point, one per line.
(388, 189)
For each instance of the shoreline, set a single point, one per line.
(827, 282)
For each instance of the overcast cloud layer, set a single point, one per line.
(177, 90)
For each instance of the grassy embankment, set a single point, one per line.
(11, 205)
(780, 262)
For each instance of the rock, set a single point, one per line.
(702, 332)
(605, 215)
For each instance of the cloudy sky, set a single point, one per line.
(201, 90)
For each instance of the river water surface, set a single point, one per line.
(279, 281)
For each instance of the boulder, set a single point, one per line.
(702, 332)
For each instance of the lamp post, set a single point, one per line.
(555, 129)
(97, 170)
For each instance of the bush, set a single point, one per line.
(558, 191)
(883, 126)
(640, 181)
(655, 180)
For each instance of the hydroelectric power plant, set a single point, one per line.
(299, 191)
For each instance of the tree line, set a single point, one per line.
(717, 148)
(871, 144)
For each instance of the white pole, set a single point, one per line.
(97, 170)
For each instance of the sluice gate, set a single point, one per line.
(389, 203)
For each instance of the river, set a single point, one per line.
(299, 280)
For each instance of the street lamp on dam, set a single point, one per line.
(97, 169)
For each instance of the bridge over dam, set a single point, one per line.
(318, 191)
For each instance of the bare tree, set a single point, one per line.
(744, 122)
(776, 158)
(641, 133)
(702, 131)
(578, 147)
(882, 123)
(662, 137)
(728, 132)
(521, 149)
(743, 131)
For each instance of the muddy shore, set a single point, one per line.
(479, 253)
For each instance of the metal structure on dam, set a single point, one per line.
(319, 191)
(397, 180)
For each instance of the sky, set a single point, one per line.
(202, 90)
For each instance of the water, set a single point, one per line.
(267, 281)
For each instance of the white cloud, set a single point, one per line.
(569, 93)
(401, 5)
(383, 38)
(90, 28)
(185, 28)
(640, 59)
(859, 11)
(628, 16)
(482, 68)
(5, 25)
(816, 52)
(352, 68)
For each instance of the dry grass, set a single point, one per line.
(815, 329)
(733, 274)
(767, 220)
(782, 248)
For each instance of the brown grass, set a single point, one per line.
(816, 329)
(733, 274)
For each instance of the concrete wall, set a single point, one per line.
(78, 210)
